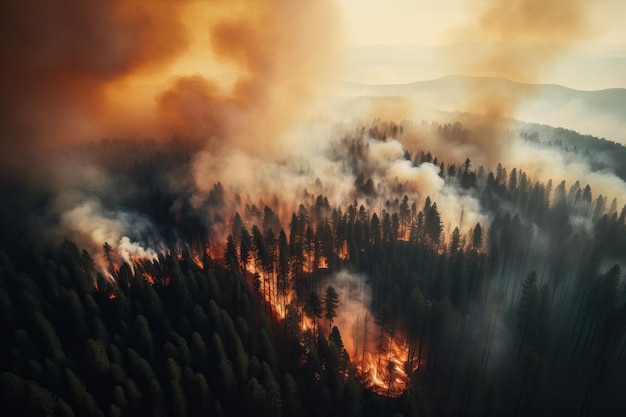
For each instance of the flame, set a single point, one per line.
(148, 277)
(342, 253)
(197, 259)
(404, 235)
(306, 324)
(215, 251)
(385, 372)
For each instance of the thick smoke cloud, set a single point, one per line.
(89, 224)
(516, 40)
(78, 72)
(530, 34)
(61, 58)
(75, 73)
(281, 55)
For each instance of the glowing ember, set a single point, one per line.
(148, 277)
(215, 251)
(306, 324)
(385, 373)
(342, 253)
(195, 257)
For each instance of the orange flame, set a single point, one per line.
(195, 257)
(386, 372)
(148, 277)
(343, 251)
(215, 251)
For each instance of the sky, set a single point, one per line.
(433, 22)
(587, 40)
(110, 70)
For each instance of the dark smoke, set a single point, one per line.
(60, 58)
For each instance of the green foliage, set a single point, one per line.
(19, 396)
(97, 356)
(47, 337)
(458, 300)
(79, 398)
(331, 302)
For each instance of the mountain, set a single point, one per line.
(600, 113)
(582, 67)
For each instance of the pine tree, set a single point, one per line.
(331, 302)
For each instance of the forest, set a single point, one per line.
(377, 305)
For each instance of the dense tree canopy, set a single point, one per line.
(524, 314)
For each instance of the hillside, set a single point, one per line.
(599, 113)
(375, 306)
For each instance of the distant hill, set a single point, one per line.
(601, 154)
(599, 113)
(581, 67)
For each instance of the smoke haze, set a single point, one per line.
(523, 37)
(208, 109)
(62, 57)
(78, 73)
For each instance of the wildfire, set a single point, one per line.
(306, 324)
(383, 367)
(386, 372)
(343, 251)
(195, 257)
(148, 277)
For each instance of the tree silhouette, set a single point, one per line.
(331, 302)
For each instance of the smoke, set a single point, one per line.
(541, 162)
(281, 58)
(527, 35)
(74, 73)
(245, 114)
(346, 166)
(517, 40)
(354, 302)
(62, 58)
(257, 147)
(91, 227)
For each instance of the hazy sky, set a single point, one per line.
(433, 21)
(587, 40)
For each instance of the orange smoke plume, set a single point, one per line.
(60, 57)
(75, 72)
(280, 54)
(517, 40)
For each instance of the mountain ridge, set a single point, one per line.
(600, 113)
(458, 76)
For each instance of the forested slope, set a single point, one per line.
(523, 314)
